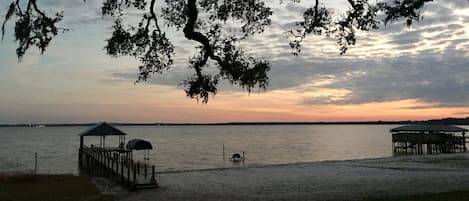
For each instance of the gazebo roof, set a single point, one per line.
(138, 144)
(428, 128)
(102, 129)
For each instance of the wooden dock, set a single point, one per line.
(117, 164)
(428, 139)
(427, 143)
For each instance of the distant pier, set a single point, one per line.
(428, 139)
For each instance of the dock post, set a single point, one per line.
(35, 162)
(116, 159)
(104, 163)
(145, 170)
(91, 162)
(122, 169)
(152, 173)
(111, 173)
(464, 141)
(138, 167)
(108, 163)
(80, 153)
(100, 162)
(87, 161)
(128, 173)
(96, 161)
(135, 176)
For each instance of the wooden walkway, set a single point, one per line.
(115, 164)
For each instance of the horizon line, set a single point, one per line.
(239, 123)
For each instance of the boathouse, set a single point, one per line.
(428, 139)
(114, 162)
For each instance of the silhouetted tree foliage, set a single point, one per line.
(205, 21)
(33, 27)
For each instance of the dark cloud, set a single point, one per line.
(439, 79)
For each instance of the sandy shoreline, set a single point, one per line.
(327, 180)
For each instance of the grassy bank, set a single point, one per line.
(449, 196)
(27, 187)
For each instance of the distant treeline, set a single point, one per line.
(448, 121)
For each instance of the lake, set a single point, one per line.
(195, 147)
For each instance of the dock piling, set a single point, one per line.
(152, 173)
(145, 170)
(35, 162)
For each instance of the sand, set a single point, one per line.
(322, 181)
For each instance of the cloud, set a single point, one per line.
(439, 80)
(170, 78)
(427, 62)
(408, 37)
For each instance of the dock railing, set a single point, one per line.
(116, 164)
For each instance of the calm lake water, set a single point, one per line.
(200, 147)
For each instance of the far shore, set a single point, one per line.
(326, 181)
(446, 121)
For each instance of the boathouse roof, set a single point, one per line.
(102, 129)
(428, 128)
(138, 144)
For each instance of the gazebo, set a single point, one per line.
(432, 138)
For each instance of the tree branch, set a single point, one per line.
(153, 16)
(33, 2)
(190, 34)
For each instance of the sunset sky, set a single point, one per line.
(394, 73)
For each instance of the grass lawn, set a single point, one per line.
(450, 196)
(49, 188)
